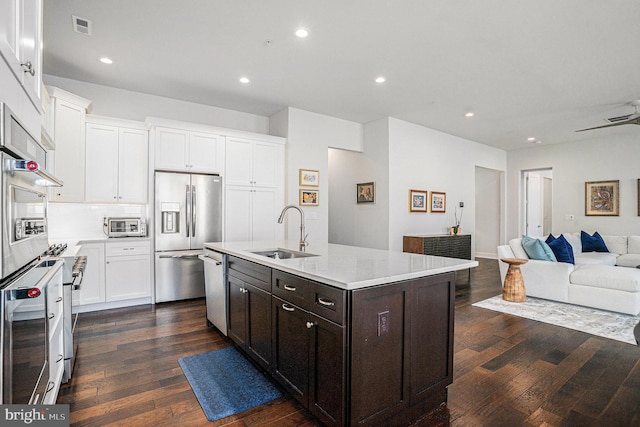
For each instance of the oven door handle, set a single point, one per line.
(19, 285)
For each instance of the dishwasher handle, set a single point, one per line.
(209, 259)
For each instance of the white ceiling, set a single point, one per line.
(525, 68)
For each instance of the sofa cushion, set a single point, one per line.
(561, 248)
(596, 258)
(634, 245)
(574, 241)
(518, 250)
(592, 243)
(608, 277)
(537, 249)
(628, 260)
(616, 244)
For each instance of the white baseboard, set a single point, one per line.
(489, 255)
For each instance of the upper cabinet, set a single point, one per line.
(116, 161)
(20, 44)
(185, 150)
(253, 163)
(69, 113)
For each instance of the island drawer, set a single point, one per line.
(328, 302)
(250, 272)
(291, 288)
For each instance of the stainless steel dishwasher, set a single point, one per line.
(215, 289)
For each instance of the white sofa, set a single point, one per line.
(598, 279)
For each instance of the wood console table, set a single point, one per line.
(458, 246)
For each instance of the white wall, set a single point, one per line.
(610, 155)
(69, 221)
(488, 202)
(126, 104)
(426, 159)
(309, 137)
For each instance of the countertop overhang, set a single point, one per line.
(345, 267)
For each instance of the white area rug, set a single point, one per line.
(608, 324)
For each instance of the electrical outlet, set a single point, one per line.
(383, 323)
(569, 217)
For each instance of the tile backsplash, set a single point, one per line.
(83, 220)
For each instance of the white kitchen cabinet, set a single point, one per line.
(92, 290)
(116, 163)
(20, 44)
(184, 150)
(253, 163)
(128, 270)
(69, 112)
(252, 214)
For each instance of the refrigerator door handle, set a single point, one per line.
(188, 209)
(193, 210)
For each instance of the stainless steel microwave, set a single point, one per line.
(125, 227)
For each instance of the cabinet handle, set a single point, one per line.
(60, 357)
(28, 68)
(310, 325)
(326, 302)
(50, 386)
(51, 316)
(243, 290)
(287, 307)
(289, 288)
(59, 299)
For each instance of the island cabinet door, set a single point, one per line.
(432, 312)
(250, 320)
(291, 348)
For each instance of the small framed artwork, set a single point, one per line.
(366, 192)
(418, 201)
(438, 202)
(309, 177)
(602, 198)
(309, 197)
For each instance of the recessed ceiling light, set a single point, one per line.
(302, 32)
(380, 79)
(469, 114)
(106, 60)
(532, 138)
(244, 80)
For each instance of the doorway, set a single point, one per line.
(537, 188)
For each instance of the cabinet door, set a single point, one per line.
(9, 37)
(238, 162)
(259, 325)
(203, 152)
(264, 218)
(101, 163)
(327, 377)
(171, 147)
(238, 215)
(291, 349)
(30, 42)
(265, 164)
(237, 328)
(133, 158)
(92, 289)
(128, 277)
(69, 135)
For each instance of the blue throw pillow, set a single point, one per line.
(561, 248)
(592, 243)
(537, 249)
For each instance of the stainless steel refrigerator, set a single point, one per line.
(188, 212)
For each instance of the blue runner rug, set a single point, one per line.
(226, 383)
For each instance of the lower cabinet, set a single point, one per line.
(381, 355)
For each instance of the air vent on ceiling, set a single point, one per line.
(81, 25)
(618, 119)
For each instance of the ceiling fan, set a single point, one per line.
(631, 119)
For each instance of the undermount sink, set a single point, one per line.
(280, 253)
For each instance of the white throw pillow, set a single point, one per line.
(634, 245)
(518, 250)
(574, 241)
(616, 244)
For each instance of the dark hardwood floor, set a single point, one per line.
(509, 371)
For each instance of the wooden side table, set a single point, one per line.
(513, 289)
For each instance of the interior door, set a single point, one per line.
(534, 204)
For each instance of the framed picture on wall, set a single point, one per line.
(309, 177)
(418, 201)
(602, 198)
(366, 192)
(438, 202)
(309, 197)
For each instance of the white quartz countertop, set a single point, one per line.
(345, 267)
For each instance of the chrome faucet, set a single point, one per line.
(303, 237)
